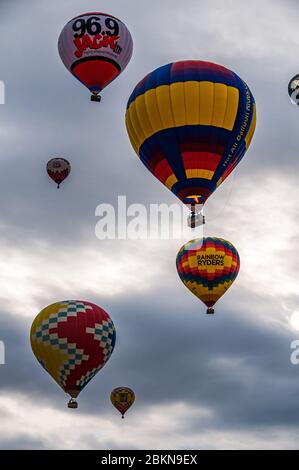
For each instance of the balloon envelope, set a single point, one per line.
(191, 123)
(72, 340)
(58, 169)
(208, 267)
(95, 48)
(293, 89)
(122, 398)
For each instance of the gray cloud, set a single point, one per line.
(198, 380)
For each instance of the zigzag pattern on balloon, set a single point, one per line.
(73, 331)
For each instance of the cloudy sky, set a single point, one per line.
(221, 382)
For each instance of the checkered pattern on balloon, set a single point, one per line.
(73, 340)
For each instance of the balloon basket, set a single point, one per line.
(210, 311)
(95, 98)
(196, 220)
(72, 404)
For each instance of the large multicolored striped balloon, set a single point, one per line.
(95, 48)
(208, 267)
(191, 123)
(122, 398)
(72, 340)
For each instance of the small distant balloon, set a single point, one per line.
(58, 169)
(122, 398)
(293, 89)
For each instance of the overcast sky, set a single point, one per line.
(201, 382)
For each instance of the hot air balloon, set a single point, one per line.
(122, 398)
(293, 89)
(95, 48)
(208, 267)
(191, 123)
(72, 340)
(58, 169)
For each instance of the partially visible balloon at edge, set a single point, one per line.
(293, 89)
